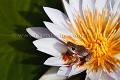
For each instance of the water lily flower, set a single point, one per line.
(94, 24)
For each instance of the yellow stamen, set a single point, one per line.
(97, 32)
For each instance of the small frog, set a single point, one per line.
(80, 50)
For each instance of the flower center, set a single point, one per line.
(98, 34)
(99, 47)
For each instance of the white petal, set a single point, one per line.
(105, 76)
(56, 16)
(116, 6)
(57, 30)
(109, 6)
(117, 56)
(115, 74)
(88, 4)
(55, 61)
(112, 2)
(100, 5)
(77, 5)
(116, 9)
(70, 12)
(50, 46)
(51, 75)
(87, 78)
(64, 71)
(76, 70)
(39, 32)
(95, 75)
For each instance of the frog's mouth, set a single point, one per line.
(71, 59)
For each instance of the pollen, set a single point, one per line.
(98, 33)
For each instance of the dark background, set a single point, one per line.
(19, 59)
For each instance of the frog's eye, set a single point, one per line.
(73, 48)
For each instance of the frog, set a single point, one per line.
(79, 51)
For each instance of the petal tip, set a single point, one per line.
(47, 63)
(28, 30)
(45, 8)
(35, 43)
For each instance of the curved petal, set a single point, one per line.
(57, 17)
(51, 75)
(57, 30)
(116, 9)
(64, 71)
(55, 61)
(87, 78)
(88, 4)
(115, 74)
(100, 5)
(50, 46)
(105, 76)
(70, 12)
(110, 4)
(96, 76)
(77, 5)
(76, 70)
(39, 32)
(116, 6)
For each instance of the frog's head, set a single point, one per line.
(77, 49)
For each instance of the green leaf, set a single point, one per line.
(19, 59)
